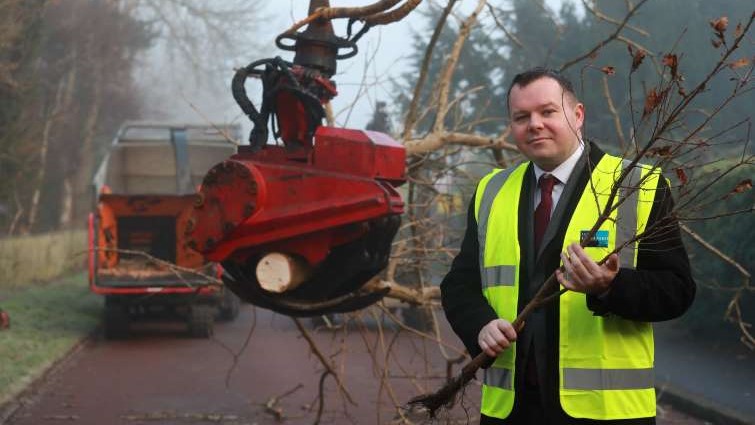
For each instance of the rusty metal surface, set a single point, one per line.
(160, 376)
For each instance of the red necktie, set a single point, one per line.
(542, 217)
(543, 210)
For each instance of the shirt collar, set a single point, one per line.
(564, 170)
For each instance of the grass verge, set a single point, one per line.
(47, 320)
(26, 260)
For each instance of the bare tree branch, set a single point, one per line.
(326, 364)
(411, 115)
(434, 141)
(444, 81)
(614, 112)
(591, 6)
(502, 27)
(607, 40)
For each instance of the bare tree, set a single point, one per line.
(663, 135)
(80, 85)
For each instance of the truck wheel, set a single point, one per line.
(229, 306)
(419, 318)
(116, 321)
(201, 321)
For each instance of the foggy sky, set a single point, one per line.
(361, 80)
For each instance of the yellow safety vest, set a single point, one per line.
(605, 363)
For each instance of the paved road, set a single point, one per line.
(716, 378)
(160, 376)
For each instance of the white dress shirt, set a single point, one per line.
(561, 173)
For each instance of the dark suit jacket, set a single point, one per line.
(660, 288)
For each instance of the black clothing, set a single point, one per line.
(660, 288)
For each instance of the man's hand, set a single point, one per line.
(496, 336)
(585, 275)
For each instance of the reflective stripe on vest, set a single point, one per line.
(627, 215)
(605, 363)
(499, 378)
(499, 276)
(607, 379)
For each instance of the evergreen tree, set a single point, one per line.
(380, 120)
(476, 79)
(66, 89)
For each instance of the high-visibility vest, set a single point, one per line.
(605, 362)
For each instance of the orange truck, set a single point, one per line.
(139, 256)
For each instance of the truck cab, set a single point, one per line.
(139, 256)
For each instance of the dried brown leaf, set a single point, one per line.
(638, 58)
(739, 63)
(742, 186)
(664, 151)
(608, 70)
(681, 175)
(652, 99)
(670, 60)
(719, 25)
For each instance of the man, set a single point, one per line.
(587, 357)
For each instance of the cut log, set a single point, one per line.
(278, 272)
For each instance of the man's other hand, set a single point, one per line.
(496, 336)
(585, 275)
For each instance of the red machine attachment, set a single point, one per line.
(335, 213)
(323, 206)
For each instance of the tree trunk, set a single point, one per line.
(64, 85)
(66, 204)
(83, 177)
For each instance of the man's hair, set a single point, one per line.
(525, 78)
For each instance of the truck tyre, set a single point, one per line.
(229, 306)
(116, 320)
(201, 321)
(419, 318)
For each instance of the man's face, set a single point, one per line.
(545, 122)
